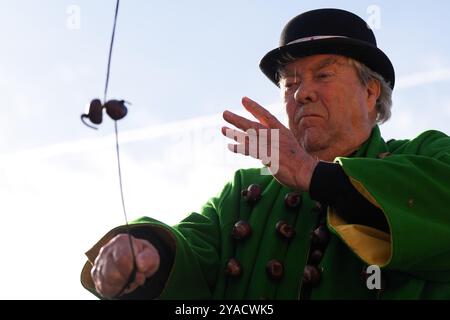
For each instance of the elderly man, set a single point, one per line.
(345, 215)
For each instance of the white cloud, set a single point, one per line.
(423, 78)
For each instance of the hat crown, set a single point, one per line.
(328, 31)
(327, 22)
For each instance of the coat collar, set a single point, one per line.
(373, 146)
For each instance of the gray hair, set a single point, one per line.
(365, 75)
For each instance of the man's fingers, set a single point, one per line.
(123, 260)
(260, 113)
(240, 122)
(140, 279)
(104, 270)
(107, 283)
(245, 149)
(107, 290)
(234, 134)
(250, 143)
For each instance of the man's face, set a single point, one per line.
(327, 105)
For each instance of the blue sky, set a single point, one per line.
(180, 63)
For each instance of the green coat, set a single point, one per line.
(409, 180)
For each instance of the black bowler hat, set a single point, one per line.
(329, 31)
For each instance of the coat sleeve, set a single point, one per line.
(412, 188)
(194, 246)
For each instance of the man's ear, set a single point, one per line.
(373, 92)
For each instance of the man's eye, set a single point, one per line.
(324, 75)
(290, 85)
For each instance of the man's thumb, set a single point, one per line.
(147, 261)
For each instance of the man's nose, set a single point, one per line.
(305, 93)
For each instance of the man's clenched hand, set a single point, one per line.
(114, 264)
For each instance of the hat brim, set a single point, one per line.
(370, 55)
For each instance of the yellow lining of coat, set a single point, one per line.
(371, 245)
(361, 189)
